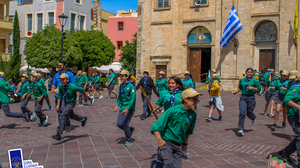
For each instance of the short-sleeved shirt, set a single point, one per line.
(127, 98)
(175, 123)
(287, 84)
(56, 80)
(267, 76)
(293, 94)
(243, 84)
(111, 76)
(261, 78)
(4, 88)
(84, 79)
(25, 88)
(77, 79)
(188, 83)
(165, 95)
(162, 84)
(38, 89)
(272, 84)
(69, 93)
(92, 79)
(97, 80)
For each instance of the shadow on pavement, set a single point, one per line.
(13, 126)
(123, 140)
(73, 127)
(235, 130)
(70, 138)
(285, 136)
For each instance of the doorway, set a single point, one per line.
(199, 63)
(266, 59)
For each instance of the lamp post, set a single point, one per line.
(62, 20)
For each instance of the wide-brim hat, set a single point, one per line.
(124, 72)
(1, 74)
(213, 70)
(293, 74)
(190, 92)
(24, 75)
(35, 74)
(285, 72)
(146, 71)
(187, 73)
(64, 75)
(161, 73)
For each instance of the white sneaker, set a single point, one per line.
(253, 121)
(88, 94)
(241, 133)
(101, 97)
(92, 96)
(92, 102)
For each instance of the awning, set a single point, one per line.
(24, 68)
(116, 66)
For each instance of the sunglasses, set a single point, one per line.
(194, 100)
(59, 65)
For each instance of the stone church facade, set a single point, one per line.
(176, 35)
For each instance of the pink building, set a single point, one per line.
(120, 29)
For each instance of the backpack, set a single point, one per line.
(215, 88)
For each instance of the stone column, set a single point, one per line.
(97, 14)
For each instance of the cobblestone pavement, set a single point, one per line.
(100, 142)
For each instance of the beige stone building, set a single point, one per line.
(177, 35)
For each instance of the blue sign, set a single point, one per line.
(15, 158)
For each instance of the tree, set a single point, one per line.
(128, 55)
(43, 49)
(97, 49)
(15, 62)
(4, 66)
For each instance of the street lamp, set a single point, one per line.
(62, 20)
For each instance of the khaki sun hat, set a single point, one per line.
(161, 72)
(272, 70)
(84, 73)
(285, 72)
(124, 72)
(35, 74)
(64, 75)
(39, 75)
(298, 76)
(1, 74)
(293, 74)
(146, 71)
(79, 72)
(190, 92)
(187, 72)
(214, 70)
(24, 75)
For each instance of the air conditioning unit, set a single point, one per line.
(198, 2)
(29, 33)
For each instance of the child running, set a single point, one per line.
(270, 95)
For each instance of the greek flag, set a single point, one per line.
(233, 26)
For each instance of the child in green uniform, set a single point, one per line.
(78, 77)
(4, 99)
(262, 81)
(83, 83)
(25, 94)
(161, 83)
(126, 102)
(249, 87)
(111, 83)
(292, 100)
(67, 91)
(42, 81)
(91, 84)
(282, 87)
(172, 130)
(188, 81)
(270, 95)
(172, 96)
(97, 85)
(39, 92)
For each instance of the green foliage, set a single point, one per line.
(128, 55)
(4, 67)
(97, 49)
(43, 49)
(15, 62)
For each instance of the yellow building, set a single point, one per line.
(122, 13)
(5, 27)
(104, 17)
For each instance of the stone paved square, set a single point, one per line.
(101, 143)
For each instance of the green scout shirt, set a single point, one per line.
(111, 76)
(83, 80)
(272, 84)
(42, 81)
(253, 83)
(4, 88)
(128, 99)
(38, 90)
(287, 84)
(26, 88)
(71, 92)
(162, 84)
(77, 79)
(267, 76)
(292, 95)
(261, 78)
(92, 79)
(165, 96)
(175, 123)
(97, 80)
(189, 83)
(277, 79)
(211, 79)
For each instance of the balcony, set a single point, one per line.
(5, 23)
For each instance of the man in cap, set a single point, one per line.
(62, 69)
(42, 81)
(148, 85)
(39, 92)
(292, 100)
(4, 99)
(26, 94)
(172, 130)
(67, 91)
